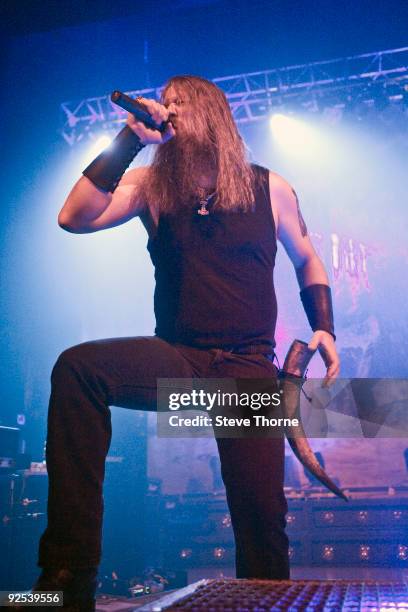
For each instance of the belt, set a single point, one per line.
(251, 350)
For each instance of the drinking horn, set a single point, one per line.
(291, 379)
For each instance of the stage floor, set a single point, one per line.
(395, 574)
(231, 595)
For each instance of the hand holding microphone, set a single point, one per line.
(147, 123)
(148, 119)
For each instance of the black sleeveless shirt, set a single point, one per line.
(214, 276)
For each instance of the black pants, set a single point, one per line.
(90, 377)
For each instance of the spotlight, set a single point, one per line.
(364, 552)
(97, 147)
(284, 128)
(328, 517)
(226, 521)
(185, 553)
(402, 553)
(362, 516)
(328, 553)
(296, 136)
(219, 552)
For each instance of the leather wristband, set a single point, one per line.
(317, 302)
(107, 169)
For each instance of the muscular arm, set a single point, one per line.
(292, 233)
(89, 209)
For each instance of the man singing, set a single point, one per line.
(213, 221)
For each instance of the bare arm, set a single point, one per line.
(292, 233)
(89, 209)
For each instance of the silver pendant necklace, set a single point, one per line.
(203, 201)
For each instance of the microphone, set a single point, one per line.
(138, 109)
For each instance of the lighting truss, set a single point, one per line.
(253, 96)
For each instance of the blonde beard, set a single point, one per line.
(195, 158)
(190, 160)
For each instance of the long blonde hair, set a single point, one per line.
(213, 144)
